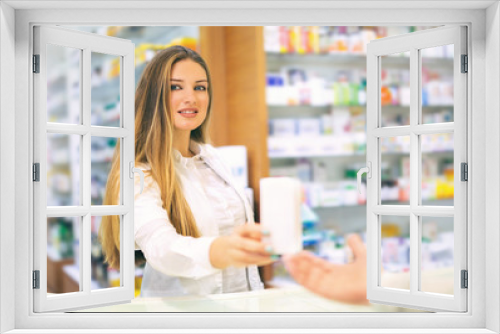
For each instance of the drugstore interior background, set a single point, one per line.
(316, 109)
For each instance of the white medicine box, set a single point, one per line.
(284, 127)
(309, 127)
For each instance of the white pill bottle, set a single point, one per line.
(280, 201)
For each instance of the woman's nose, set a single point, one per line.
(189, 96)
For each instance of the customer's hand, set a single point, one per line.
(242, 248)
(345, 283)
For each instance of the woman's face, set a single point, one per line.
(189, 95)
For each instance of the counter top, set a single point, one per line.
(289, 299)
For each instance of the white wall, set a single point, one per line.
(492, 165)
(7, 66)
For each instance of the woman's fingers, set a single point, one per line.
(251, 246)
(252, 238)
(242, 258)
(252, 231)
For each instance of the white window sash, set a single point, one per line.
(88, 43)
(413, 298)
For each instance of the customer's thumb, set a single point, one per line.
(355, 242)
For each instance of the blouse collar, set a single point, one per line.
(199, 151)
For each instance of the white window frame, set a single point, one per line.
(483, 102)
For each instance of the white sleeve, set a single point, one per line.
(164, 249)
(173, 254)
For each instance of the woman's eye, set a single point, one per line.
(175, 87)
(200, 88)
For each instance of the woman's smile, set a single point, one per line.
(188, 112)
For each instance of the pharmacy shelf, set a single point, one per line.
(425, 202)
(298, 155)
(337, 151)
(297, 111)
(112, 85)
(53, 253)
(157, 35)
(352, 144)
(306, 108)
(141, 34)
(275, 61)
(108, 90)
(399, 108)
(329, 154)
(319, 146)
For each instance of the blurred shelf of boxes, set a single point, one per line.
(316, 106)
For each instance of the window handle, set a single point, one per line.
(368, 171)
(133, 170)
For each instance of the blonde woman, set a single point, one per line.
(193, 224)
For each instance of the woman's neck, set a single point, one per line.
(182, 141)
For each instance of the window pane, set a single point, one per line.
(395, 251)
(437, 169)
(63, 249)
(63, 84)
(102, 150)
(103, 274)
(437, 84)
(395, 89)
(105, 82)
(63, 169)
(395, 170)
(437, 255)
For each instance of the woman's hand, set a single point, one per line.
(345, 283)
(242, 248)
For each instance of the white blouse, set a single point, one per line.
(178, 265)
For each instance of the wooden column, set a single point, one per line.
(246, 96)
(237, 61)
(213, 51)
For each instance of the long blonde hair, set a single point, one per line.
(153, 146)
